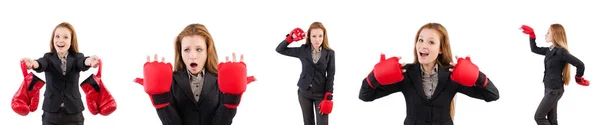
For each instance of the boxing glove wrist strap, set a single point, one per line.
(481, 80)
(161, 98)
(33, 82)
(231, 99)
(372, 81)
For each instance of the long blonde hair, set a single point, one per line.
(197, 29)
(559, 38)
(443, 59)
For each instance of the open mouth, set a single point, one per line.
(423, 54)
(194, 65)
(60, 46)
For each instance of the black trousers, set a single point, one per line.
(62, 118)
(546, 112)
(309, 103)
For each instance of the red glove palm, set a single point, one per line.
(296, 34)
(158, 77)
(528, 30)
(98, 98)
(27, 98)
(582, 81)
(232, 80)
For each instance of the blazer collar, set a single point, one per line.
(183, 81)
(415, 72)
(56, 62)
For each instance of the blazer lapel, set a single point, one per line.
(70, 62)
(550, 54)
(415, 76)
(182, 79)
(56, 62)
(443, 76)
(209, 82)
(323, 55)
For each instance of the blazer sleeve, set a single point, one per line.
(536, 49)
(283, 49)
(224, 115)
(330, 72)
(565, 55)
(488, 92)
(367, 93)
(169, 114)
(81, 62)
(43, 62)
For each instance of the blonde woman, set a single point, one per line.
(431, 82)
(557, 71)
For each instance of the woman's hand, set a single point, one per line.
(31, 64)
(92, 61)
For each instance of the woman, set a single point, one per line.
(431, 82)
(318, 70)
(61, 66)
(198, 91)
(557, 71)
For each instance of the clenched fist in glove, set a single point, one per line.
(295, 35)
(386, 72)
(27, 98)
(582, 81)
(467, 74)
(98, 98)
(232, 80)
(158, 77)
(528, 30)
(326, 105)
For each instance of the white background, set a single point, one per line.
(122, 33)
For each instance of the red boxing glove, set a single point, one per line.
(295, 35)
(232, 82)
(326, 105)
(467, 74)
(582, 81)
(386, 72)
(27, 98)
(158, 77)
(98, 98)
(528, 30)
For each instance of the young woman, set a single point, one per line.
(62, 65)
(198, 91)
(318, 70)
(431, 82)
(557, 71)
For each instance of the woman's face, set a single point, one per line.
(62, 40)
(428, 46)
(193, 53)
(316, 37)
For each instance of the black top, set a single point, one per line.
(419, 109)
(62, 88)
(183, 108)
(554, 62)
(320, 74)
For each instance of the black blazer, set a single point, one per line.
(62, 88)
(320, 75)
(184, 110)
(554, 62)
(419, 109)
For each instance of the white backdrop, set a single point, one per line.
(122, 33)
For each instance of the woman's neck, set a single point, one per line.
(62, 54)
(428, 67)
